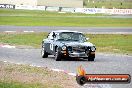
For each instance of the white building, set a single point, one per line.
(59, 3)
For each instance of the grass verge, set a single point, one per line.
(29, 39)
(24, 76)
(18, 85)
(120, 4)
(65, 21)
(42, 18)
(114, 43)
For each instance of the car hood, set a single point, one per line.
(77, 43)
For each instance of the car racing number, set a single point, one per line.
(51, 47)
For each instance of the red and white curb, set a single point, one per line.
(18, 31)
(56, 70)
(109, 32)
(28, 31)
(86, 32)
(7, 46)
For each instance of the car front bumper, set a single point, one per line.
(77, 54)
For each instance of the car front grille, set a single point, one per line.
(77, 49)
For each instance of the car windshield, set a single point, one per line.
(71, 36)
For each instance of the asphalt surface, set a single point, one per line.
(103, 64)
(104, 30)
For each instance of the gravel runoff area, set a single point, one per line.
(25, 74)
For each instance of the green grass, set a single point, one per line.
(42, 18)
(14, 84)
(18, 85)
(116, 43)
(108, 4)
(32, 39)
(64, 21)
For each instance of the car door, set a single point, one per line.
(50, 43)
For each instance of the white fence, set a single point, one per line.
(72, 10)
(29, 7)
(104, 11)
(118, 11)
(52, 8)
(9, 6)
(89, 10)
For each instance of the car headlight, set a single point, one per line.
(93, 48)
(64, 47)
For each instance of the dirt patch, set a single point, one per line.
(26, 74)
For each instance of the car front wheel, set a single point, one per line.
(44, 54)
(58, 56)
(91, 57)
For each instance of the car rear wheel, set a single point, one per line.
(44, 54)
